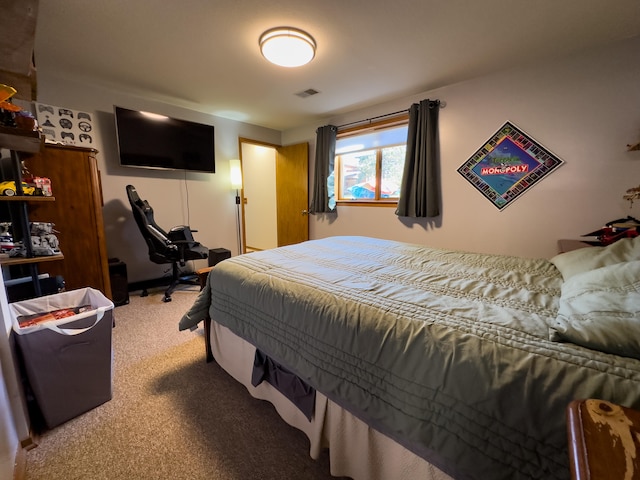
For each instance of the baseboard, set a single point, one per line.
(29, 443)
(185, 277)
(20, 464)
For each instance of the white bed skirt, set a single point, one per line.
(355, 449)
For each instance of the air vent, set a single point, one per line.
(307, 93)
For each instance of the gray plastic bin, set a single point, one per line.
(68, 362)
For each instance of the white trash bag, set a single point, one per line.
(53, 311)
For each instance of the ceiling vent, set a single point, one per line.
(307, 93)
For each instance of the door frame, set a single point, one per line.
(241, 141)
(277, 148)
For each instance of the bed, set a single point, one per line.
(428, 363)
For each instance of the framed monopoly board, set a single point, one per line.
(507, 165)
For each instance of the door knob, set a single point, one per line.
(305, 212)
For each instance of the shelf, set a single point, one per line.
(20, 140)
(26, 198)
(633, 147)
(25, 261)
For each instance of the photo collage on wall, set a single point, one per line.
(66, 126)
(507, 165)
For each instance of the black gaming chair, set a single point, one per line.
(175, 247)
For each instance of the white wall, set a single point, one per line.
(13, 420)
(585, 109)
(8, 437)
(206, 202)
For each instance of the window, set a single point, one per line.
(370, 162)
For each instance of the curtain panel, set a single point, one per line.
(324, 200)
(420, 188)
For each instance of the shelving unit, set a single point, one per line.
(27, 198)
(25, 261)
(22, 141)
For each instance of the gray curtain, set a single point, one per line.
(420, 188)
(324, 200)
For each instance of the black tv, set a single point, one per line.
(148, 140)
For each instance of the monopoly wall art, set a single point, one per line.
(507, 165)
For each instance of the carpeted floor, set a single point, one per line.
(172, 416)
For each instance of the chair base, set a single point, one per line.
(187, 279)
(176, 280)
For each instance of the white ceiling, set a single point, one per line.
(203, 54)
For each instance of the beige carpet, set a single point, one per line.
(172, 416)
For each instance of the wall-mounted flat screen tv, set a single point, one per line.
(149, 140)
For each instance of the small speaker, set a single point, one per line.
(119, 283)
(216, 255)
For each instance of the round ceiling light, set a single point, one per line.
(287, 46)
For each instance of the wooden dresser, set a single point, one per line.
(76, 213)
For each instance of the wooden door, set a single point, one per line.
(292, 193)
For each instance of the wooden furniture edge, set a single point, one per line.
(207, 339)
(575, 437)
(27, 260)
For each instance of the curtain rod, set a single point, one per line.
(442, 105)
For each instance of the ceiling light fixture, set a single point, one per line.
(287, 46)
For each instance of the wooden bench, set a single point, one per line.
(202, 274)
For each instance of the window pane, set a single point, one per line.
(363, 158)
(358, 175)
(392, 168)
(375, 139)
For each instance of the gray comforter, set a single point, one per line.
(446, 352)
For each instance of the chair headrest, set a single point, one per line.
(135, 199)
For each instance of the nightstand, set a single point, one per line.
(202, 274)
(567, 245)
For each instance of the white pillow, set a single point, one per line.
(589, 258)
(600, 309)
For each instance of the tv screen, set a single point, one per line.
(156, 141)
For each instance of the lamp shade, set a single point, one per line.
(287, 46)
(235, 169)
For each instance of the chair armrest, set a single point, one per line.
(190, 243)
(158, 235)
(180, 233)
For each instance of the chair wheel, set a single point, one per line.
(166, 299)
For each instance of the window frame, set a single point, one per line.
(396, 121)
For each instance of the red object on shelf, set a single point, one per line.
(608, 235)
(44, 184)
